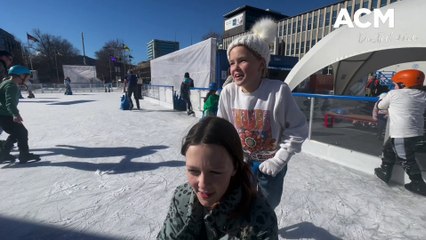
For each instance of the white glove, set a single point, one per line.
(274, 165)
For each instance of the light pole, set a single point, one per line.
(56, 64)
(110, 70)
(28, 54)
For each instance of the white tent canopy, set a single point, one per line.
(199, 60)
(80, 73)
(355, 52)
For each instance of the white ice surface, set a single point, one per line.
(109, 174)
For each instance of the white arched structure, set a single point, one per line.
(355, 52)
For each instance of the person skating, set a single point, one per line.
(6, 60)
(67, 83)
(10, 118)
(131, 83)
(405, 105)
(271, 126)
(211, 101)
(185, 92)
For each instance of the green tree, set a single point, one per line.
(112, 61)
(49, 54)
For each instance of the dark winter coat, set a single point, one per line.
(132, 81)
(185, 86)
(188, 219)
(9, 98)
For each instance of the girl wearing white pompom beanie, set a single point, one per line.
(270, 124)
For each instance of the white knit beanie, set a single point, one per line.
(261, 35)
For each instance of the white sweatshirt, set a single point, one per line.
(267, 119)
(406, 108)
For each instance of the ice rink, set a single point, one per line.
(110, 174)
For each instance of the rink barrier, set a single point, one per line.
(163, 95)
(352, 141)
(75, 87)
(160, 94)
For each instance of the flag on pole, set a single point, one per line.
(130, 56)
(32, 38)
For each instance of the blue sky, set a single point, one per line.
(135, 22)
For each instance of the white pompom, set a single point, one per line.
(266, 29)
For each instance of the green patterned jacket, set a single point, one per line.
(188, 219)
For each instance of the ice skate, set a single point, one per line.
(7, 158)
(416, 186)
(24, 158)
(384, 172)
(190, 112)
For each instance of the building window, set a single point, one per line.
(314, 33)
(383, 3)
(320, 32)
(327, 19)
(356, 7)
(285, 29)
(349, 8)
(293, 29)
(299, 25)
(280, 30)
(334, 17)
(304, 23)
(315, 20)
(365, 4)
(373, 4)
(310, 22)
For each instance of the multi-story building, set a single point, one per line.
(239, 21)
(298, 34)
(158, 48)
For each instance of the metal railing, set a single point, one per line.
(76, 87)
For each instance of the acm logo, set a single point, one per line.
(344, 18)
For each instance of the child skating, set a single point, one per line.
(10, 118)
(405, 105)
(270, 124)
